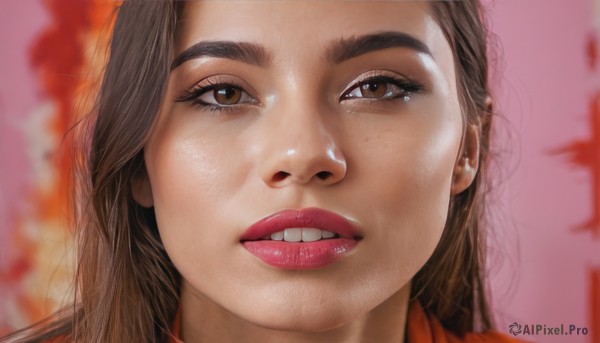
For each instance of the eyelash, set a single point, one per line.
(407, 87)
(192, 96)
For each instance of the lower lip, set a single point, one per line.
(301, 255)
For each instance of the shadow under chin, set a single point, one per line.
(320, 325)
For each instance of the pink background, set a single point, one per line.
(539, 265)
(544, 91)
(20, 22)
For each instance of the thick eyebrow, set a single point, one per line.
(240, 51)
(347, 48)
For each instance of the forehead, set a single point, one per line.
(301, 28)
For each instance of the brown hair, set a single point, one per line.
(452, 284)
(127, 287)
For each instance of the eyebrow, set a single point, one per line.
(249, 53)
(337, 51)
(347, 48)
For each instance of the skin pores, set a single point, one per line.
(218, 165)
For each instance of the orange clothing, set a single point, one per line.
(420, 329)
(423, 329)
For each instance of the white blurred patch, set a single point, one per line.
(41, 145)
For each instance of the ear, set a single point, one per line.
(467, 163)
(142, 190)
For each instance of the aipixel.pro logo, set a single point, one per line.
(516, 329)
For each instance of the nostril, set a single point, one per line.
(324, 175)
(280, 176)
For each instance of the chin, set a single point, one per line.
(301, 322)
(316, 316)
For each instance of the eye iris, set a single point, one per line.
(227, 95)
(376, 89)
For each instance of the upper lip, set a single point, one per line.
(307, 217)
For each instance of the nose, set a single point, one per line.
(302, 149)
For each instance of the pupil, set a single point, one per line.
(227, 96)
(228, 93)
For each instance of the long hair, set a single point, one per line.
(127, 287)
(452, 284)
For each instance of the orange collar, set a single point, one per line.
(428, 329)
(176, 329)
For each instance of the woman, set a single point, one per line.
(263, 171)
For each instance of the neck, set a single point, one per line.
(205, 321)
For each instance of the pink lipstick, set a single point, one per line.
(300, 239)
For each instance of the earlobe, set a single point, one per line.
(142, 191)
(467, 164)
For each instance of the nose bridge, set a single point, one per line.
(302, 145)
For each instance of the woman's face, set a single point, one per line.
(350, 107)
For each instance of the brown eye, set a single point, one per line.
(227, 95)
(219, 96)
(381, 88)
(373, 89)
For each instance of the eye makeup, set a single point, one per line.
(217, 94)
(224, 94)
(382, 86)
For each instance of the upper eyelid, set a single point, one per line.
(357, 82)
(209, 83)
(374, 74)
(221, 79)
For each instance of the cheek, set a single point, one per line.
(408, 172)
(194, 178)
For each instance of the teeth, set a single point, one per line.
(277, 236)
(292, 235)
(328, 234)
(310, 235)
(307, 234)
